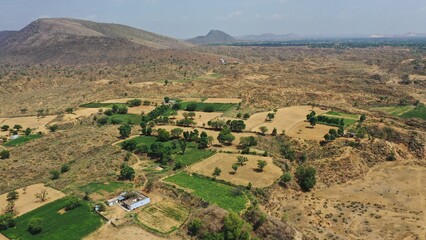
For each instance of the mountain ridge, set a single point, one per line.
(213, 37)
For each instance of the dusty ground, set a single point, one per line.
(388, 203)
(304, 130)
(132, 232)
(285, 118)
(140, 109)
(163, 216)
(245, 174)
(2, 237)
(223, 100)
(35, 123)
(27, 201)
(200, 117)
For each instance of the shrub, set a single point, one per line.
(108, 112)
(134, 102)
(126, 172)
(4, 154)
(72, 203)
(65, 168)
(5, 127)
(35, 226)
(191, 107)
(13, 195)
(129, 145)
(141, 149)
(53, 128)
(286, 178)
(6, 221)
(102, 121)
(163, 135)
(306, 177)
(194, 227)
(54, 174)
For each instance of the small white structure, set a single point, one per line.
(13, 137)
(130, 201)
(222, 61)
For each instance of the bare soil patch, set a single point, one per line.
(285, 118)
(33, 122)
(304, 130)
(201, 117)
(245, 174)
(27, 201)
(108, 232)
(139, 109)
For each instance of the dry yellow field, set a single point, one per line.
(285, 118)
(108, 232)
(27, 201)
(139, 109)
(304, 130)
(200, 117)
(245, 174)
(35, 123)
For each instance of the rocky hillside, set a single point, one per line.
(213, 37)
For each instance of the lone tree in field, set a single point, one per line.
(127, 172)
(261, 164)
(5, 127)
(242, 160)
(306, 177)
(42, 195)
(12, 196)
(217, 171)
(270, 116)
(263, 129)
(313, 121)
(310, 115)
(17, 127)
(235, 167)
(125, 131)
(225, 136)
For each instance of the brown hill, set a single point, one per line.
(213, 37)
(70, 41)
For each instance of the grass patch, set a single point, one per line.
(107, 187)
(101, 105)
(74, 224)
(131, 119)
(343, 115)
(215, 107)
(21, 140)
(394, 110)
(417, 112)
(192, 155)
(211, 191)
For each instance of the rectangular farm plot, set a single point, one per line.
(57, 224)
(163, 217)
(210, 191)
(27, 201)
(248, 173)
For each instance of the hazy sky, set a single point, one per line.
(189, 18)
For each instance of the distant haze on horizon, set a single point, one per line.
(189, 18)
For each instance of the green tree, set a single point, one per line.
(27, 131)
(126, 172)
(53, 128)
(182, 144)
(176, 132)
(4, 154)
(12, 196)
(166, 99)
(306, 177)
(5, 127)
(134, 102)
(246, 116)
(217, 171)
(310, 115)
(225, 136)
(17, 127)
(270, 116)
(235, 228)
(203, 142)
(313, 121)
(274, 132)
(125, 130)
(237, 125)
(35, 226)
(248, 141)
(263, 129)
(65, 168)
(362, 118)
(7, 221)
(235, 166)
(69, 110)
(261, 164)
(194, 227)
(163, 135)
(286, 178)
(191, 107)
(129, 145)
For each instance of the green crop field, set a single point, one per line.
(71, 225)
(210, 190)
(216, 107)
(107, 187)
(132, 119)
(404, 111)
(101, 105)
(343, 115)
(21, 140)
(192, 155)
